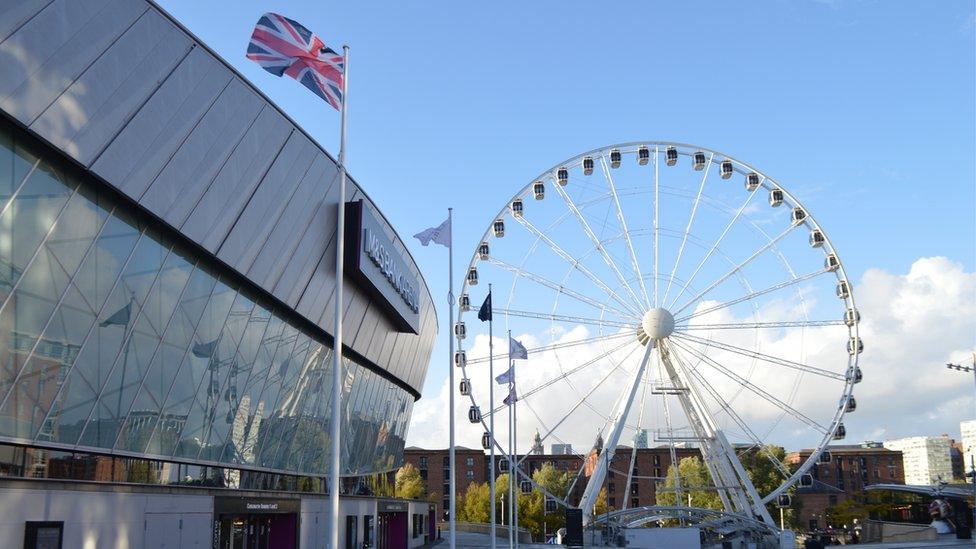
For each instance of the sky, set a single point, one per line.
(865, 110)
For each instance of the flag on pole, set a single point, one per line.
(507, 377)
(511, 398)
(440, 234)
(516, 350)
(282, 46)
(484, 314)
(118, 318)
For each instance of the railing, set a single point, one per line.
(501, 530)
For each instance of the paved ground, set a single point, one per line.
(467, 539)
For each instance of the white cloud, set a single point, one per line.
(913, 323)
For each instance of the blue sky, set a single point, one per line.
(863, 109)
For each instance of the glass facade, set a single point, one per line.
(116, 339)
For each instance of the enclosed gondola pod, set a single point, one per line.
(587, 165)
(460, 331)
(486, 440)
(855, 346)
(699, 161)
(843, 289)
(849, 404)
(474, 414)
(841, 432)
(824, 457)
(856, 376)
(775, 197)
(464, 387)
(831, 263)
(851, 317)
(517, 207)
(615, 158)
(727, 169)
(784, 501)
(539, 190)
(562, 176)
(816, 238)
(464, 302)
(671, 156)
(503, 465)
(806, 480)
(643, 155)
(460, 358)
(472, 277)
(499, 228)
(752, 181)
(798, 215)
(483, 251)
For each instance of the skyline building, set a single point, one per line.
(926, 459)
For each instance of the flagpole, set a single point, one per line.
(491, 420)
(450, 366)
(336, 467)
(511, 468)
(514, 394)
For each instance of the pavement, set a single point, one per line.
(469, 539)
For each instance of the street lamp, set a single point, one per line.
(962, 368)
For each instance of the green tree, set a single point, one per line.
(695, 486)
(557, 483)
(474, 506)
(601, 506)
(409, 485)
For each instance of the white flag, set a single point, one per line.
(440, 234)
(516, 349)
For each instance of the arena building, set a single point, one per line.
(167, 257)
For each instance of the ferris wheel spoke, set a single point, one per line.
(563, 345)
(688, 338)
(714, 247)
(633, 449)
(582, 399)
(596, 242)
(755, 294)
(657, 188)
(691, 220)
(755, 325)
(623, 222)
(737, 268)
(765, 395)
(576, 264)
(565, 318)
(726, 407)
(525, 395)
(559, 288)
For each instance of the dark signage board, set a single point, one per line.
(574, 528)
(254, 506)
(379, 269)
(392, 506)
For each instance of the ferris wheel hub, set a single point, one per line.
(658, 323)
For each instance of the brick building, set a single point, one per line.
(473, 466)
(843, 476)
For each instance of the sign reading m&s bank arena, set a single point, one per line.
(379, 268)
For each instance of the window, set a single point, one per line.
(612, 488)
(43, 535)
(831, 500)
(447, 488)
(423, 474)
(470, 476)
(657, 460)
(613, 502)
(423, 462)
(814, 524)
(635, 502)
(657, 471)
(447, 461)
(470, 462)
(633, 488)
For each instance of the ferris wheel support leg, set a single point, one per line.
(619, 420)
(735, 488)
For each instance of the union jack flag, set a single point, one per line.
(283, 46)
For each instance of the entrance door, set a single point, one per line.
(266, 531)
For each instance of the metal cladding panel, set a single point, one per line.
(128, 93)
(144, 146)
(278, 248)
(13, 14)
(43, 57)
(266, 203)
(89, 113)
(218, 208)
(187, 176)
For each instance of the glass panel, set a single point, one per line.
(27, 220)
(193, 373)
(283, 425)
(15, 163)
(281, 366)
(165, 369)
(135, 341)
(92, 285)
(55, 350)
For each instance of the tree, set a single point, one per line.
(556, 482)
(474, 505)
(409, 485)
(695, 482)
(601, 507)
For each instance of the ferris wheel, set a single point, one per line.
(669, 296)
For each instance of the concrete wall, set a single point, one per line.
(129, 95)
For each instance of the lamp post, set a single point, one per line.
(962, 368)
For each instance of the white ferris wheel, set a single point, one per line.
(669, 295)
